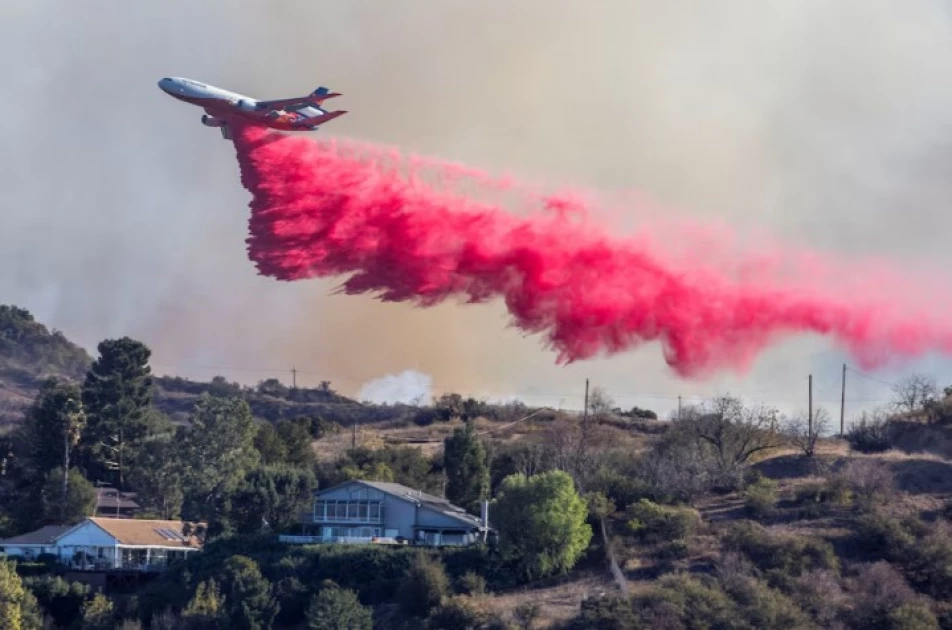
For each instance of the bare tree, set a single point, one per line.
(800, 434)
(600, 403)
(679, 467)
(733, 431)
(913, 392)
(574, 446)
(530, 459)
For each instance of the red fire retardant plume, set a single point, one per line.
(322, 210)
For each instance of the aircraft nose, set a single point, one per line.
(165, 84)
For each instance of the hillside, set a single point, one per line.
(719, 516)
(30, 353)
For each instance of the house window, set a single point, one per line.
(353, 511)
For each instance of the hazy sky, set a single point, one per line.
(826, 123)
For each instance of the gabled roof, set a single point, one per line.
(142, 532)
(109, 498)
(43, 536)
(406, 493)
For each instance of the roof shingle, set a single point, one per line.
(430, 501)
(43, 536)
(142, 532)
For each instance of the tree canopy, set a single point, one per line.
(541, 522)
(467, 470)
(117, 394)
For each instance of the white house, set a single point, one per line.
(31, 545)
(367, 511)
(104, 544)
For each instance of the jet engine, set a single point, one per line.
(211, 121)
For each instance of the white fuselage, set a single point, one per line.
(220, 103)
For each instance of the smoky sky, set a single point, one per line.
(827, 124)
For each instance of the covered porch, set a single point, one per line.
(445, 536)
(121, 557)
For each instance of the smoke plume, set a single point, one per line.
(826, 122)
(408, 387)
(330, 209)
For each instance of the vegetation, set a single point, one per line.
(730, 517)
(542, 523)
(467, 472)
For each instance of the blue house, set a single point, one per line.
(360, 511)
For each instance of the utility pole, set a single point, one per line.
(843, 401)
(293, 378)
(679, 407)
(353, 440)
(810, 412)
(585, 410)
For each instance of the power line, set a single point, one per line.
(294, 371)
(869, 378)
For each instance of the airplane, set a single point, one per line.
(302, 113)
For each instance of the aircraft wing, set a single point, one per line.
(313, 121)
(316, 97)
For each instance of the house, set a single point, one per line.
(373, 511)
(109, 544)
(110, 502)
(33, 544)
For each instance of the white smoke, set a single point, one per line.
(408, 387)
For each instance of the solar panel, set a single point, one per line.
(169, 534)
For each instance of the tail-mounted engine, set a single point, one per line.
(211, 121)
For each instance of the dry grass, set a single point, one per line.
(558, 603)
(429, 439)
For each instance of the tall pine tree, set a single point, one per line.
(467, 469)
(46, 441)
(117, 395)
(54, 425)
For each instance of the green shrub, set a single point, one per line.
(878, 590)
(687, 601)
(338, 609)
(811, 499)
(780, 556)
(765, 607)
(869, 483)
(424, 587)
(525, 614)
(654, 522)
(622, 489)
(885, 535)
(473, 583)
(928, 563)
(60, 599)
(912, 616)
(820, 595)
(674, 550)
(462, 612)
(870, 436)
(608, 613)
(677, 599)
(760, 498)
(375, 572)
(924, 552)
